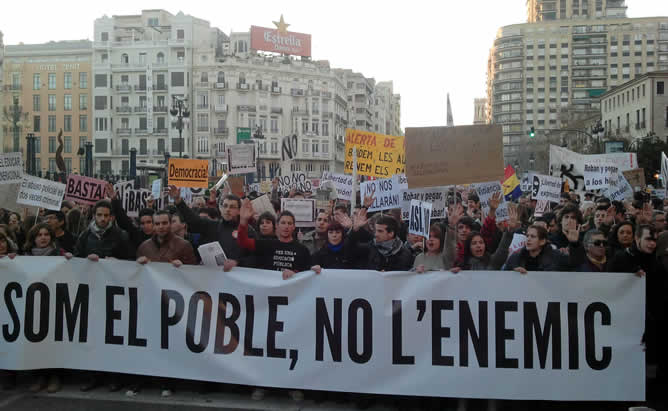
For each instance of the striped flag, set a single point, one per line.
(511, 184)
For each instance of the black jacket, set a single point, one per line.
(368, 256)
(114, 243)
(327, 258)
(549, 259)
(135, 233)
(225, 232)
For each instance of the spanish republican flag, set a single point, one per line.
(511, 185)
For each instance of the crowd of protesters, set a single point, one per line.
(592, 234)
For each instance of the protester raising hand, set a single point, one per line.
(360, 219)
(246, 212)
(455, 213)
(513, 220)
(645, 215)
(572, 231)
(109, 192)
(175, 194)
(344, 220)
(494, 203)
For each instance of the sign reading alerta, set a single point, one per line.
(279, 40)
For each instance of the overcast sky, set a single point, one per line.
(428, 48)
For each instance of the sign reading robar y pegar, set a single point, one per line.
(378, 155)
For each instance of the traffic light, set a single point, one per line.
(532, 133)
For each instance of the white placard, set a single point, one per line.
(193, 322)
(519, 241)
(545, 187)
(485, 192)
(343, 184)
(403, 181)
(241, 158)
(263, 204)
(420, 218)
(303, 210)
(385, 192)
(619, 189)
(156, 188)
(122, 186)
(435, 195)
(525, 185)
(212, 254)
(186, 195)
(298, 181)
(38, 192)
(598, 177)
(11, 168)
(134, 200)
(542, 207)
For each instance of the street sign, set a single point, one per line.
(243, 133)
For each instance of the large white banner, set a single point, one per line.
(569, 165)
(473, 334)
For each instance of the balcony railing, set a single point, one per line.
(220, 86)
(13, 87)
(203, 84)
(141, 131)
(627, 128)
(297, 92)
(124, 88)
(220, 131)
(140, 87)
(242, 86)
(202, 107)
(140, 109)
(276, 90)
(123, 109)
(277, 110)
(160, 109)
(327, 94)
(160, 87)
(123, 131)
(160, 131)
(203, 128)
(220, 108)
(246, 108)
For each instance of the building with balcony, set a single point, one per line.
(547, 10)
(480, 111)
(141, 62)
(537, 70)
(51, 82)
(637, 108)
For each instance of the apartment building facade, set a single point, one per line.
(547, 10)
(538, 70)
(51, 83)
(638, 108)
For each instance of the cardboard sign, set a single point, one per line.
(420, 218)
(303, 210)
(598, 177)
(485, 192)
(241, 158)
(298, 181)
(236, 184)
(135, 200)
(542, 207)
(435, 195)
(263, 204)
(378, 155)
(385, 192)
(545, 187)
(11, 168)
(188, 173)
(636, 178)
(265, 187)
(85, 190)
(42, 193)
(343, 184)
(619, 190)
(437, 156)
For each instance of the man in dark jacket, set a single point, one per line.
(102, 239)
(641, 259)
(568, 213)
(224, 231)
(64, 239)
(595, 243)
(384, 251)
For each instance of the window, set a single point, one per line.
(143, 147)
(52, 144)
(659, 87)
(315, 127)
(68, 102)
(100, 102)
(83, 122)
(142, 58)
(100, 80)
(160, 58)
(304, 126)
(52, 81)
(274, 125)
(104, 58)
(305, 146)
(52, 102)
(38, 147)
(83, 80)
(52, 124)
(36, 124)
(36, 83)
(204, 77)
(83, 101)
(100, 145)
(176, 145)
(52, 165)
(221, 77)
(68, 144)
(101, 124)
(315, 146)
(67, 81)
(68, 165)
(125, 59)
(36, 103)
(67, 123)
(180, 34)
(104, 36)
(142, 123)
(161, 146)
(177, 79)
(325, 130)
(325, 147)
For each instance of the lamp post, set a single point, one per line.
(180, 111)
(89, 158)
(31, 164)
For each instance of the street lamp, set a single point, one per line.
(31, 163)
(180, 111)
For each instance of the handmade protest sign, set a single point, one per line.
(525, 185)
(420, 218)
(636, 178)
(135, 200)
(236, 184)
(302, 209)
(485, 192)
(265, 186)
(298, 181)
(598, 177)
(85, 190)
(517, 337)
(545, 187)
(619, 189)
(343, 184)
(11, 168)
(188, 173)
(263, 204)
(156, 188)
(241, 158)
(378, 155)
(385, 192)
(437, 156)
(542, 207)
(122, 186)
(38, 192)
(519, 241)
(435, 195)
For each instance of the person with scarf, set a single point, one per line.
(41, 242)
(336, 253)
(382, 251)
(595, 245)
(102, 239)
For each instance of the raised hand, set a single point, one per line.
(175, 193)
(572, 231)
(360, 220)
(455, 213)
(246, 212)
(344, 220)
(610, 215)
(513, 220)
(495, 201)
(110, 192)
(645, 215)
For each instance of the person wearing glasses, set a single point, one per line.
(225, 231)
(595, 244)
